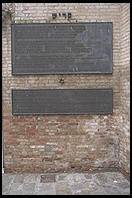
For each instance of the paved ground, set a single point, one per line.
(106, 183)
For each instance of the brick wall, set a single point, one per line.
(124, 161)
(63, 142)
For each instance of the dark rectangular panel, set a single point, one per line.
(62, 101)
(65, 48)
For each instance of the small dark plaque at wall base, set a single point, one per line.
(47, 178)
(62, 101)
(62, 48)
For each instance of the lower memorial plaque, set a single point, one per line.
(62, 101)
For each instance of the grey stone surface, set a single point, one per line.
(103, 183)
(62, 188)
(19, 178)
(88, 176)
(30, 178)
(60, 177)
(7, 180)
(16, 189)
(29, 188)
(46, 189)
(101, 178)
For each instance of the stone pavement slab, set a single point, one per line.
(46, 189)
(30, 178)
(19, 178)
(103, 183)
(62, 188)
(7, 180)
(16, 189)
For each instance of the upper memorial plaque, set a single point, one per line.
(66, 48)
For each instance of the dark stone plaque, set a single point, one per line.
(62, 101)
(66, 48)
(47, 178)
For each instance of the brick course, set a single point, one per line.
(60, 143)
